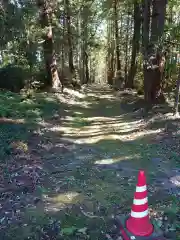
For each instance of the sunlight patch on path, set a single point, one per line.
(140, 134)
(60, 201)
(74, 93)
(114, 160)
(175, 180)
(103, 128)
(73, 98)
(128, 137)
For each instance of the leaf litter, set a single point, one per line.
(52, 189)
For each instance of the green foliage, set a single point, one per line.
(69, 230)
(19, 115)
(13, 77)
(29, 119)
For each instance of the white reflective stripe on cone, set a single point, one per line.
(140, 201)
(139, 214)
(141, 189)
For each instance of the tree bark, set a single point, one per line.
(176, 103)
(126, 49)
(62, 52)
(145, 43)
(154, 60)
(69, 36)
(110, 53)
(86, 61)
(118, 62)
(135, 43)
(49, 53)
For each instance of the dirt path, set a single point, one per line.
(83, 164)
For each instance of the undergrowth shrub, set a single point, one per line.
(13, 78)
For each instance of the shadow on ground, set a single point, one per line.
(70, 162)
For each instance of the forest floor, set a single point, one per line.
(69, 163)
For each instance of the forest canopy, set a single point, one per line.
(128, 44)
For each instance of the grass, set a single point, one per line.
(101, 150)
(20, 115)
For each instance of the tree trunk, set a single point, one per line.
(135, 43)
(176, 103)
(145, 43)
(118, 62)
(62, 53)
(84, 44)
(126, 50)
(86, 68)
(49, 54)
(69, 36)
(111, 58)
(154, 61)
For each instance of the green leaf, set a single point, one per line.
(68, 230)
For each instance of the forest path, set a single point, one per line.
(83, 157)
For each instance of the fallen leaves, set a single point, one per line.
(54, 188)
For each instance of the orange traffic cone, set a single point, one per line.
(139, 223)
